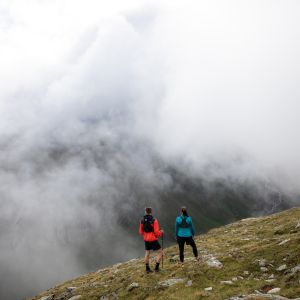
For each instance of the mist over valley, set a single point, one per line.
(108, 108)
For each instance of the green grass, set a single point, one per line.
(238, 246)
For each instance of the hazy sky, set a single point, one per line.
(92, 90)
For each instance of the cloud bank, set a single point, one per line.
(95, 96)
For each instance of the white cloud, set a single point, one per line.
(91, 91)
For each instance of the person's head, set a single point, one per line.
(148, 210)
(184, 211)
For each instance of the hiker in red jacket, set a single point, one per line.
(149, 228)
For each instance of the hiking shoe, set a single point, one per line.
(156, 270)
(149, 271)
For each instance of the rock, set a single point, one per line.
(214, 263)
(189, 259)
(49, 297)
(208, 289)
(234, 279)
(248, 219)
(241, 277)
(65, 295)
(271, 276)
(298, 225)
(189, 283)
(246, 272)
(174, 258)
(270, 280)
(262, 262)
(132, 286)
(75, 297)
(281, 268)
(227, 282)
(264, 269)
(96, 283)
(295, 269)
(274, 291)
(203, 251)
(261, 296)
(284, 242)
(170, 282)
(111, 296)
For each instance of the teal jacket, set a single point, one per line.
(184, 232)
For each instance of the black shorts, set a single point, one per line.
(152, 245)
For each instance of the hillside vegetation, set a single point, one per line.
(255, 258)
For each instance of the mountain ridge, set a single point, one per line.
(254, 258)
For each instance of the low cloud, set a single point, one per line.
(99, 101)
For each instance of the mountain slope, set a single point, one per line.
(249, 257)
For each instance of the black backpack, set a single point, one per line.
(148, 222)
(184, 223)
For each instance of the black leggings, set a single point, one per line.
(189, 241)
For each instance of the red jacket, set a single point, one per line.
(151, 236)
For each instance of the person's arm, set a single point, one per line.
(141, 230)
(156, 230)
(192, 227)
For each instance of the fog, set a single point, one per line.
(98, 100)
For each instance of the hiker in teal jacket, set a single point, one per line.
(184, 232)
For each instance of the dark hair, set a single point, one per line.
(148, 210)
(184, 211)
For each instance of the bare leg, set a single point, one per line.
(147, 255)
(158, 259)
(159, 255)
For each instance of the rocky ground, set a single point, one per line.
(253, 259)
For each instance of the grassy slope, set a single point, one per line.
(238, 246)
